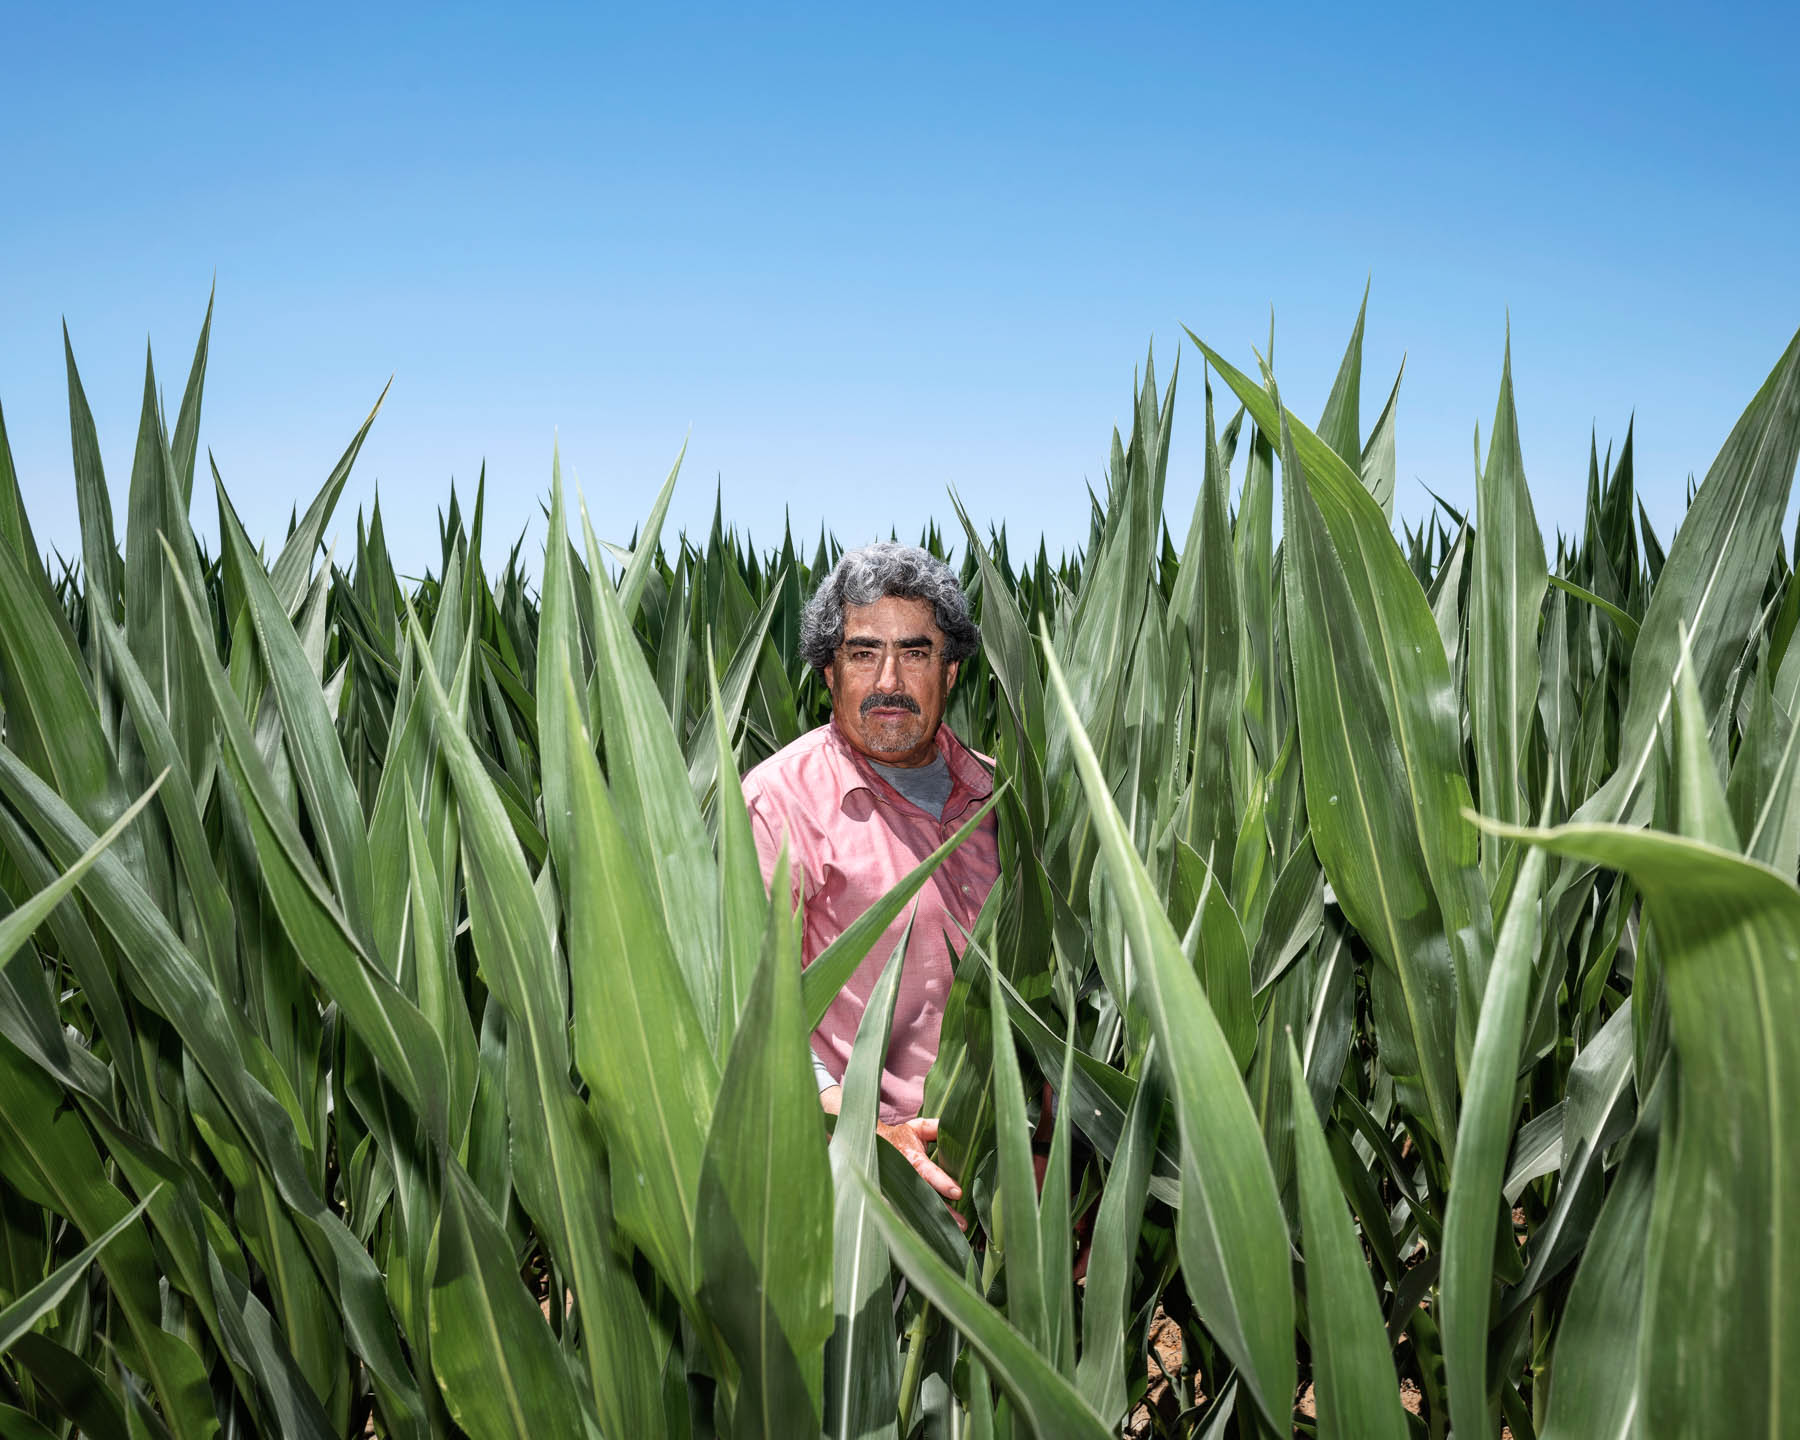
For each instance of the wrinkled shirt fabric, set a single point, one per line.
(851, 837)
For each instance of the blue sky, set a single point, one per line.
(860, 258)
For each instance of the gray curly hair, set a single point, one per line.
(872, 572)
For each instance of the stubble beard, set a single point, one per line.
(892, 737)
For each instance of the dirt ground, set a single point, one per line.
(1165, 1341)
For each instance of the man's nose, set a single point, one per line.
(888, 677)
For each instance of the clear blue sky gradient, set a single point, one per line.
(864, 257)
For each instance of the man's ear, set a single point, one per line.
(825, 675)
(950, 673)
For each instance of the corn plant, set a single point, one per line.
(397, 1036)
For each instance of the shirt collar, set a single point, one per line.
(969, 775)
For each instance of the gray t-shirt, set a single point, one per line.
(927, 786)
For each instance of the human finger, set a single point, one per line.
(936, 1177)
(905, 1139)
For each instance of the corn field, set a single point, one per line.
(397, 1037)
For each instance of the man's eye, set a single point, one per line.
(918, 657)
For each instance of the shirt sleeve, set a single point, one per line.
(823, 1075)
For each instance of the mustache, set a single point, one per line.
(894, 700)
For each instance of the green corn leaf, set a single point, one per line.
(1296, 910)
(1627, 627)
(42, 1298)
(1596, 1113)
(1537, 1150)
(1267, 1079)
(957, 1088)
(52, 1158)
(1378, 466)
(72, 1386)
(981, 1401)
(1594, 1389)
(1100, 1098)
(1506, 594)
(1447, 597)
(763, 1231)
(1100, 1375)
(1361, 829)
(52, 722)
(637, 571)
(1711, 585)
(1214, 945)
(1355, 1389)
(559, 654)
(742, 898)
(1253, 546)
(161, 969)
(1233, 1237)
(1756, 773)
(1721, 1345)
(1413, 680)
(309, 732)
(1103, 628)
(638, 1040)
(1056, 1221)
(15, 531)
(1210, 618)
(772, 708)
(1340, 426)
(921, 1207)
(1772, 832)
(157, 637)
(180, 807)
(1557, 708)
(289, 574)
(703, 768)
(1048, 1402)
(1015, 1215)
(29, 1019)
(256, 1343)
(184, 444)
(496, 1359)
(568, 1191)
(99, 550)
(18, 1425)
(1330, 1021)
(674, 648)
(861, 1382)
(1006, 641)
(435, 976)
(18, 925)
(1700, 806)
(1479, 1169)
(650, 791)
(401, 1039)
(408, 768)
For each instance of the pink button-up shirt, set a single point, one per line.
(852, 837)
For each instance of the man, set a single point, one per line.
(865, 797)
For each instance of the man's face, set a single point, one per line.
(888, 680)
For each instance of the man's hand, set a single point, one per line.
(910, 1137)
